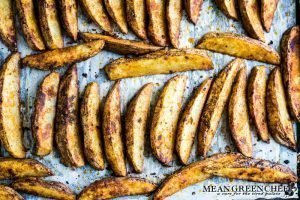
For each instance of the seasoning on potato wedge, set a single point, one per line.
(44, 114)
(165, 118)
(9, 193)
(159, 62)
(189, 120)
(228, 7)
(68, 10)
(116, 9)
(174, 15)
(239, 46)
(267, 11)
(193, 8)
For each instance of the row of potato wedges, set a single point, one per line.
(27, 175)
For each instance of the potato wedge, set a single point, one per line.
(56, 58)
(66, 121)
(193, 8)
(174, 15)
(29, 24)
(228, 7)
(44, 114)
(112, 132)
(165, 118)
(250, 15)
(290, 51)
(160, 62)
(9, 193)
(121, 46)
(189, 120)
(279, 121)
(157, 27)
(7, 24)
(42, 188)
(109, 188)
(257, 89)
(11, 168)
(238, 114)
(136, 17)
(49, 23)
(267, 11)
(96, 11)
(90, 122)
(215, 104)
(135, 126)
(68, 10)
(11, 130)
(239, 46)
(117, 11)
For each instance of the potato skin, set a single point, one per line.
(112, 132)
(135, 126)
(67, 123)
(290, 51)
(68, 10)
(267, 11)
(90, 121)
(228, 7)
(257, 86)
(9, 193)
(279, 121)
(44, 114)
(116, 9)
(193, 8)
(174, 15)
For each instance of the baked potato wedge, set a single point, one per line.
(42, 188)
(228, 7)
(109, 188)
(50, 25)
(215, 104)
(90, 122)
(7, 24)
(193, 8)
(112, 132)
(66, 121)
(267, 11)
(11, 130)
(44, 114)
(174, 15)
(290, 51)
(250, 15)
(29, 24)
(9, 193)
(56, 58)
(136, 17)
(188, 123)
(256, 95)
(121, 46)
(159, 62)
(279, 121)
(96, 11)
(135, 126)
(68, 10)
(165, 118)
(238, 114)
(239, 46)
(11, 168)
(157, 26)
(117, 11)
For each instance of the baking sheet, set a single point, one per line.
(211, 19)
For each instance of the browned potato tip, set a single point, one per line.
(228, 7)
(109, 188)
(9, 194)
(193, 8)
(267, 11)
(174, 15)
(117, 11)
(68, 10)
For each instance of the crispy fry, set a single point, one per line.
(136, 17)
(174, 15)
(267, 11)
(228, 7)
(116, 9)
(9, 193)
(193, 8)
(68, 10)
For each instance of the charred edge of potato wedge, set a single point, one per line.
(174, 15)
(193, 8)
(108, 188)
(56, 58)
(68, 11)
(47, 189)
(9, 193)
(44, 114)
(229, 8)
(117, 11)
(90, 121)
(267, 11)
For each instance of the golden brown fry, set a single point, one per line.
(214, 106)
(193, 8)
(135, 126)
(160, 62)
(9, 194)
(44, 113)
(67, 123)
(90, 121)
(267, 11)
(279, 121)
(68, 10)
(239, 46)
(174, 15)
(116, 9)
(11, 131)
(228, 7)
(56, 58)
(112, 132)
(165, 118)
(189, 120)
